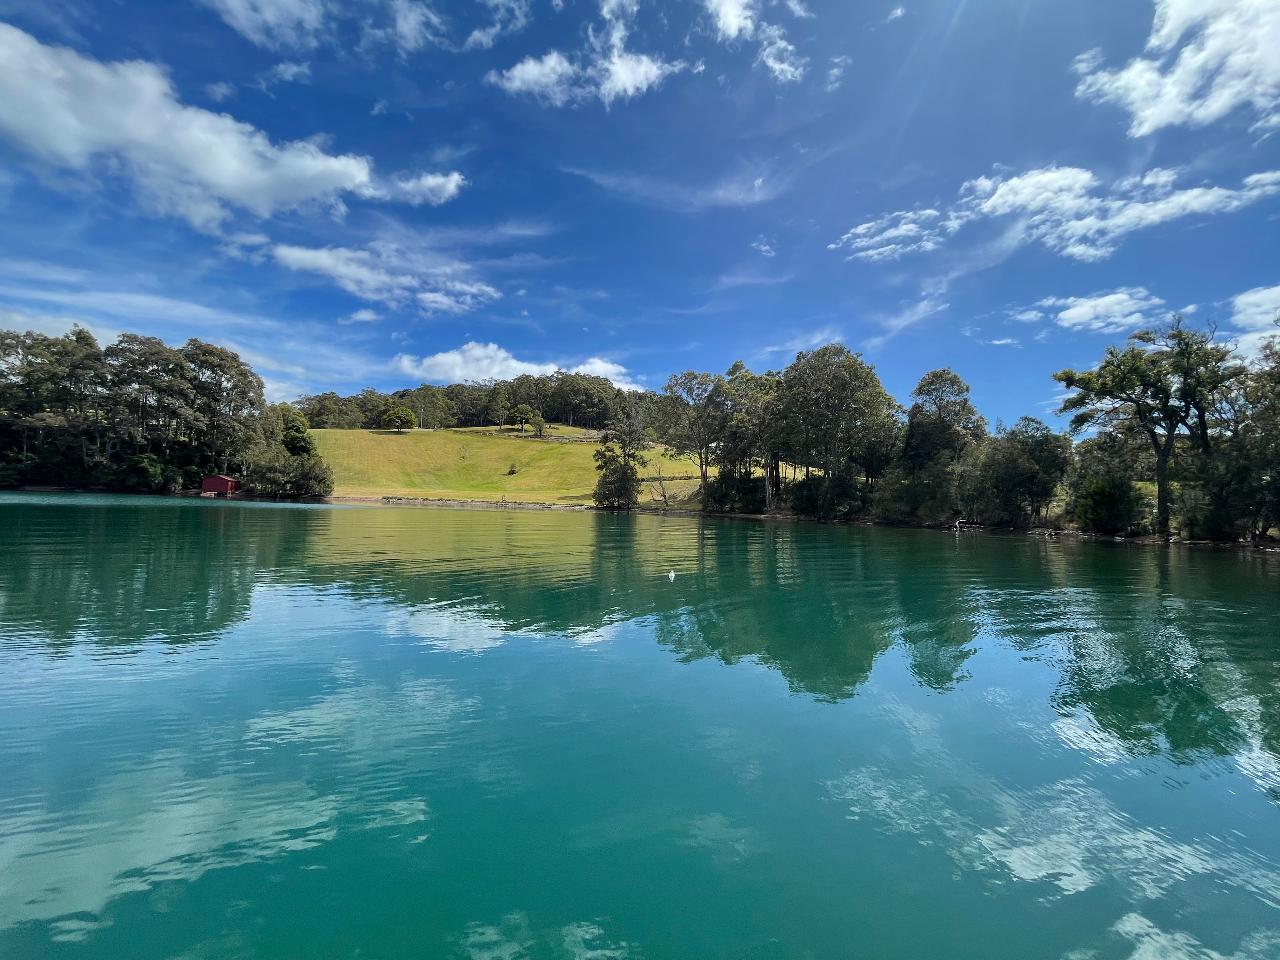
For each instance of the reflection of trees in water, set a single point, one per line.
(1170, 652)
(1167, 651)
(119, 573)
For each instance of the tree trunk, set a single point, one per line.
(1162, 491)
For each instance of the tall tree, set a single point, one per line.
(1165, 383)
(835, 414)
(619, 459)
(693, 418)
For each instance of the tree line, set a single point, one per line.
(1178, 435)
(574, 399)
(142, 416)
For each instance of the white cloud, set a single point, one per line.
(388, 274)
(806, 341)
(835, 72)
(897, 13)
(605, 69)
(274, 23)
(733, 19)
(79, 114)
(764, 247)
(1066, 209)
(1115, 312)
(217, 92)
(479, 362)
(550, 78)
(432, 189)
(1004, 342)
(288, 72)
(414, 25)
(624, 75)
(908, 316)
(1204, 60)
(362, 316)
(1256, 314)
(1259, 309)
(509, 16)
(356, 271)
(616, 373)
(779, 56)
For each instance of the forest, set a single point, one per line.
(141, 416)
(1172, 433)
(1177, 436)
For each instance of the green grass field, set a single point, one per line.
(477, 465)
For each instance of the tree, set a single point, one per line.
(1009, 479)
(1101, 493)
(693, 418)
(295, 433)
(399, 418)
(498, 408)
(942, 424)
(522, 414)
(273, 472)
(835, 415)
(619, 459)
(1165, 383)
(539, 425)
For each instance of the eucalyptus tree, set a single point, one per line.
(1165, 383)
(693, 417)
(836, 415)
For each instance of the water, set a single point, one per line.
(250, 731)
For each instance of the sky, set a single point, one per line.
(384, 193)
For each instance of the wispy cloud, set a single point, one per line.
(746, 187)
(1068, 210)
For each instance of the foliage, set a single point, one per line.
(523, 414)
(1166, 384)
(1009, 480)
(1102, 494)
(272, 471)
(619, 459)
(399, 418)
(137, 415)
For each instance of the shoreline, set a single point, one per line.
(454, 503)
(1043, 533)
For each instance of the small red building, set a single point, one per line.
(219, 486)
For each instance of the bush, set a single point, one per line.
(618, 487)
(274, 472)
(732, 493)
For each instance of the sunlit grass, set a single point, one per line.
(479, 464)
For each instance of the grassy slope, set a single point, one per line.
(471, 465)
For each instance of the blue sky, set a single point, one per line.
(387, 192)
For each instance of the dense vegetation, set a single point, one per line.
(1180, 436)
(142, 416)
(1172, 409)
(574, 399)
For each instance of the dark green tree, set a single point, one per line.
(399, 418)
(619, 458)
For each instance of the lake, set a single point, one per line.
(241, 730)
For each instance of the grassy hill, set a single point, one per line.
(477, 465)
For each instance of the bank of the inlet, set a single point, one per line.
(1173, 436)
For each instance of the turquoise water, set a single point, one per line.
(253, 731)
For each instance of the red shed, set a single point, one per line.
(219, 486)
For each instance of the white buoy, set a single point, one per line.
(671, 575)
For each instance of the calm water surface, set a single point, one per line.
(251, 731)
